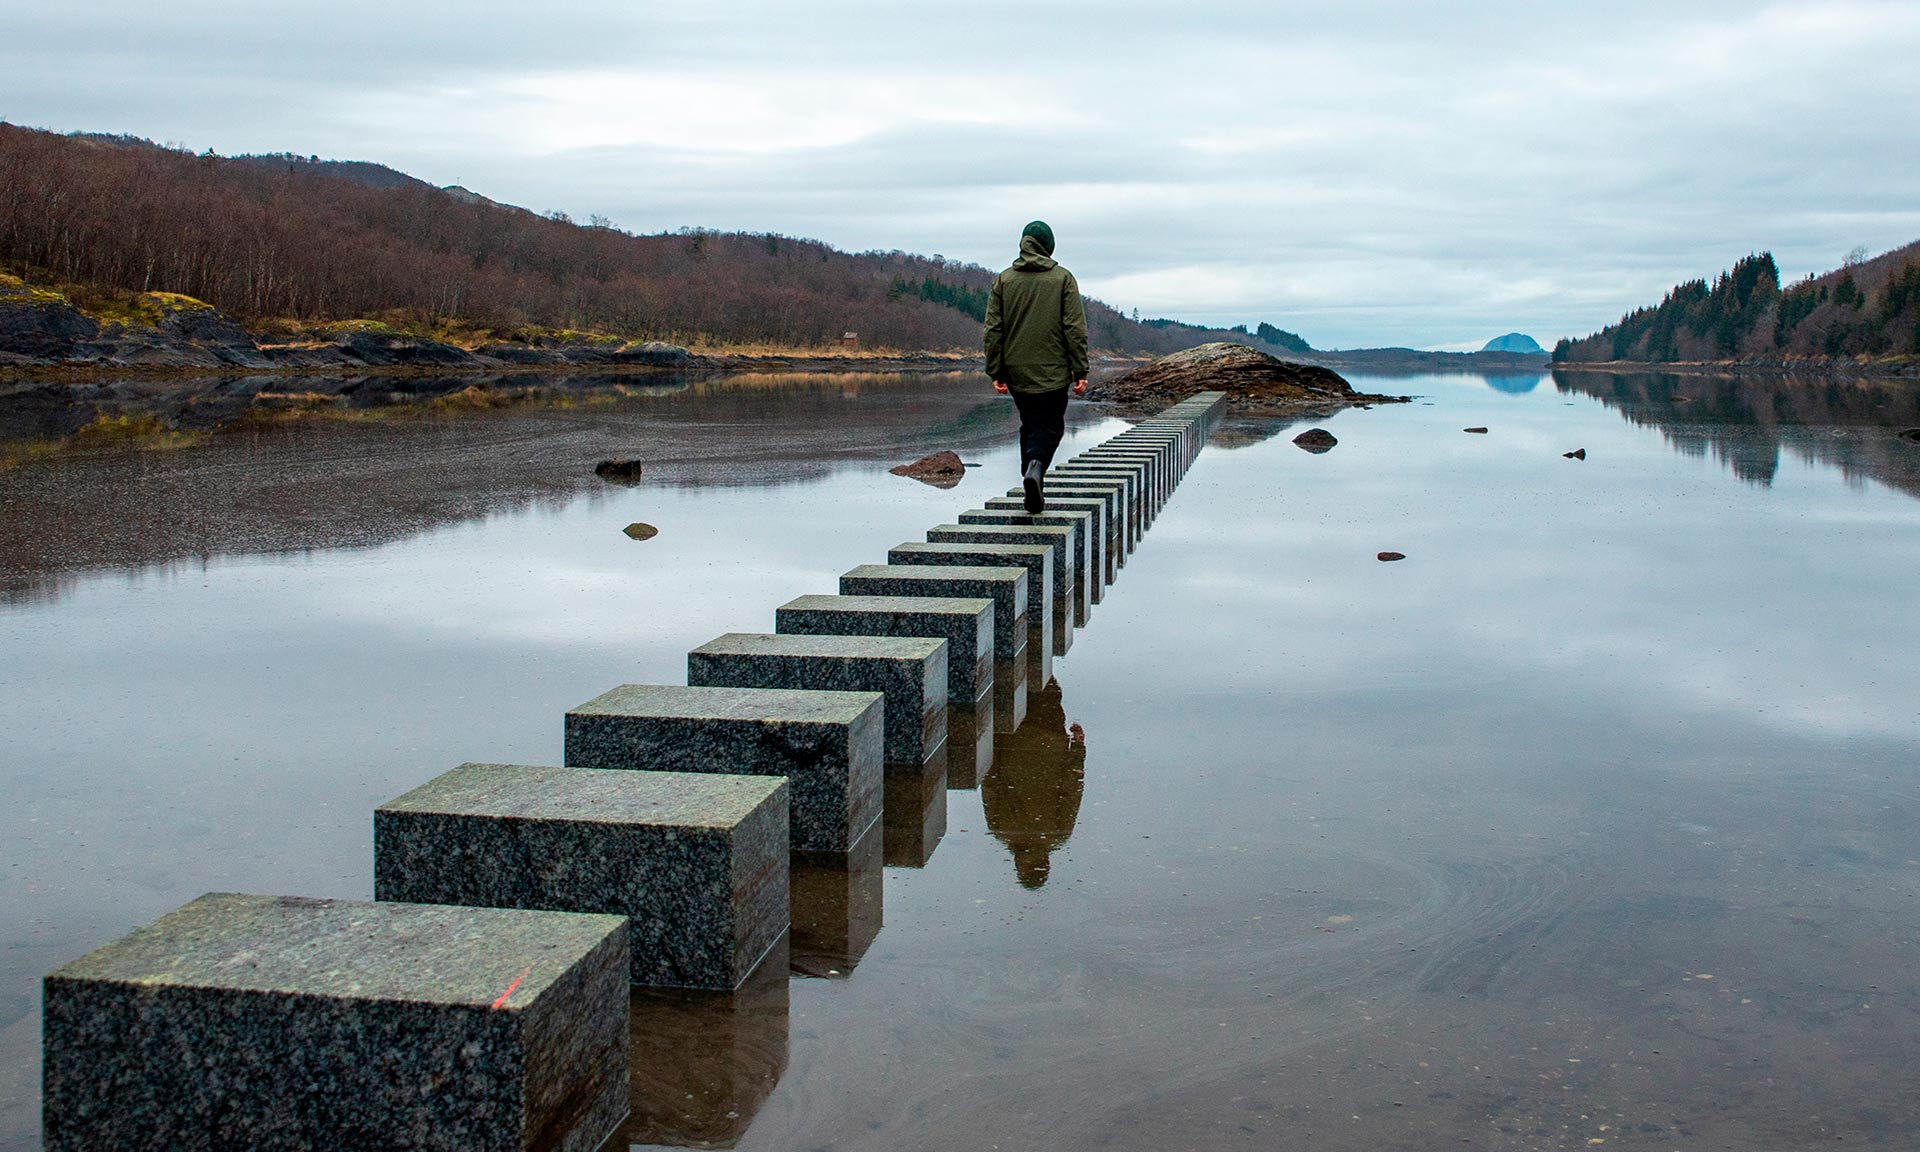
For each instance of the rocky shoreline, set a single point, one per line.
(44, 336)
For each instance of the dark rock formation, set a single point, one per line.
(639, 531)
(1576, 454)
(1316, 440)
(942, 469)
(1251, 379)
(39, 325)
(1391, 556)
(1479, 431)
(387, 349)
(618, 471)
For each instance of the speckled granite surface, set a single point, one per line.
(910, 671)
(697, 862)
(915, 818)
(1058, 537)
(838, 907)
(1005, 585)
(829, 745)
(965, 623)
(1123, 515)
(1103, 530)
(268, 1022)
(1037, 559)
(1083, 549)
(1133, 478)
(1153, 462)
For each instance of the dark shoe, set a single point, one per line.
(1036, 498)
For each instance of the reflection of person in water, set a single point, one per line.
(1032, 795)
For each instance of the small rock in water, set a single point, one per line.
(1910, 435)
(942, 469)
(618, 471)
(639, 531)
(1479, 430)
(1316, 440)
(1390, 556)
(1576, 454)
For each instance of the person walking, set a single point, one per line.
(1037, 350)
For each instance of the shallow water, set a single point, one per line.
(1596, 818)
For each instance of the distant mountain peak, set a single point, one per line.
(1518, 342)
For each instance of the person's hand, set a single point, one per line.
(1080, 387)
(1000, 387)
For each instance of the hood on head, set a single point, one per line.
(1039, 232)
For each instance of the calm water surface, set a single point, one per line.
(1597, 819)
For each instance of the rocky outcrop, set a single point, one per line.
(619, 471)
(38, 325)
(1316, 440)
(942, 469)
(1252, 380)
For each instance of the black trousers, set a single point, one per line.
(1043, 421)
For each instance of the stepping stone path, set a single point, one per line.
(482, 1001)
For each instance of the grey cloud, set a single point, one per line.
(1384, 173)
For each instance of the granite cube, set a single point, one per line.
(829, 745)
(1037, 559)
(964, 622)
(277, 1022)
(1084, 547)
(1102, 531)
(910, 671)
(696, 862)
(1004, 584)
(1058, 537)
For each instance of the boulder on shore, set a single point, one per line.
(1250, 378)
(942, 469)
(618, 471)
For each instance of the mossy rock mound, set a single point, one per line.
(38, 324)
(1244, 374)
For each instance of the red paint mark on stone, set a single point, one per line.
(502, 1002)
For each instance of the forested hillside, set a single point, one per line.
(278, 238)
(1867, 307)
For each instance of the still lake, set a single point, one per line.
(1596, 819)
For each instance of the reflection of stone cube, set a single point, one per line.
(838, 908)
(970, 731)
(829, 745)
(910, 671)
(277, 1022)
(1005, 585)
(915, 820)
(965, 623)
(704, 1063)
(698, 863)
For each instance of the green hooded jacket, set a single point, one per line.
(1036, 324)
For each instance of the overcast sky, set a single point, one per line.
(1366, 173)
